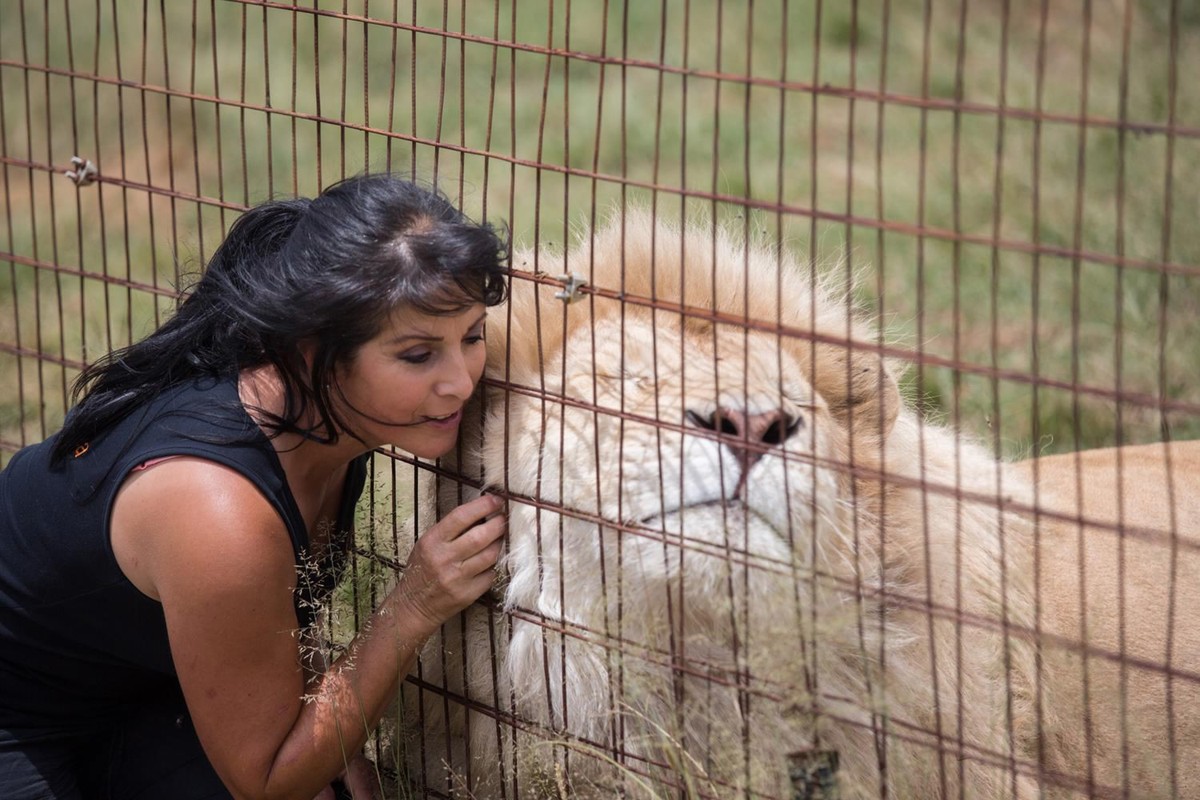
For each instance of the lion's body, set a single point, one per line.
(690, 604)
(1135, 566)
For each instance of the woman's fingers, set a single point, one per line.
(484, 560)
(450, 567)
(475, 542)
(465, 517)
(479, 538)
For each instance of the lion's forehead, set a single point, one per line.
(663, 365)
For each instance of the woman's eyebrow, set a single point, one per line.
(414, 337)
(421, 336)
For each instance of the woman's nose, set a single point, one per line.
(457, 380)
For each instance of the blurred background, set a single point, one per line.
(1012, 186)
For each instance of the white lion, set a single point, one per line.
(731, 542)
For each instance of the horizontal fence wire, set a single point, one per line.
(821, 318)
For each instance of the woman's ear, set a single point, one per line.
(858, 387)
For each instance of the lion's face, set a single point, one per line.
(662, 443)
(666, 447)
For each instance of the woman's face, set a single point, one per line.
(407, 386)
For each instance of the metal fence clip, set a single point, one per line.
(814, 775)
(572, 284)
(85, 171)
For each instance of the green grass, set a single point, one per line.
(542, 142)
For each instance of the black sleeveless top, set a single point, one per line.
(78, 642)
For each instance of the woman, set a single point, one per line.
(161, 555)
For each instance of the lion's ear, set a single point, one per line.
(859, 389)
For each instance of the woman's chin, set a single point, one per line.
(428, 450)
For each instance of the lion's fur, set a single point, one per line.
(872, 592)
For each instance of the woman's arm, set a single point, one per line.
(201, 538)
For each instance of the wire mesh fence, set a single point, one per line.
(794, 286)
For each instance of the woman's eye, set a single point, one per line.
(474, 338)
(416, 358)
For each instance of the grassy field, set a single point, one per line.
(865, 136)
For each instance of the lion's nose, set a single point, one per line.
(746, 434)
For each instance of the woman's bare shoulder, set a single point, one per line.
(184, 518)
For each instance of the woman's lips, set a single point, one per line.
(448, 421)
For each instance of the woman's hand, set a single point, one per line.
(453, 563)
(449, 567)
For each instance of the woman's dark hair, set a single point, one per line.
(324, 273)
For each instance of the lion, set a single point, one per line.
(740, 564)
